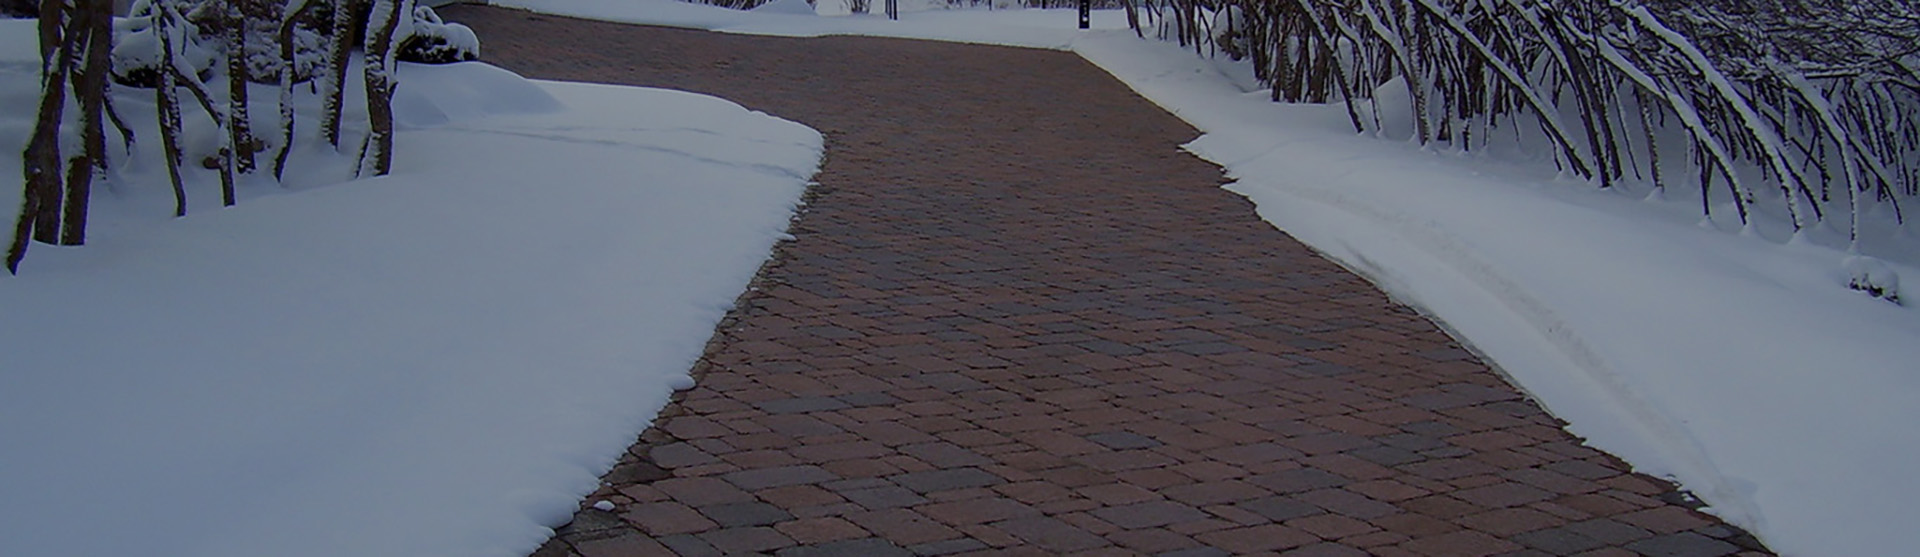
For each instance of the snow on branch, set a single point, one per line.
(1821, 99)
(167, 45)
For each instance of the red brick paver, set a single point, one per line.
(1016, 318)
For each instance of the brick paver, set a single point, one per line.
(1016, 318)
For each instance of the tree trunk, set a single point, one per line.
(41, 162)
(167, 97)
(333, 78)
(239, 125)
(377, 157)
(290, 14)
(93, 23)
(42, 158)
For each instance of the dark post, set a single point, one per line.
(893, 10)
(1086, 13)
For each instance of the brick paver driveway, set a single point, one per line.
(1016, 318)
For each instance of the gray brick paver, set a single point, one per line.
(1683, 544)
(945, 479)
(745, 514)
(763, 478)
(1149, 514)
(1008, 276)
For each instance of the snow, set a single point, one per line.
(1049, 29)
(1733, 359)
(459, 42)
(800, 7)
(437, 362)
(344, 354)
(1740, 365)
(1771, 145)
(1872, 276)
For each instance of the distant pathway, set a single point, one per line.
(1017, 319)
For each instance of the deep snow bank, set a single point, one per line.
(1741, 366)
(438, 362)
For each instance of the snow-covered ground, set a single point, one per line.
(1739, 365)
(1051, 29)
(437, 362)
(1735, 363)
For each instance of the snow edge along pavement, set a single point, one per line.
(1530, 337)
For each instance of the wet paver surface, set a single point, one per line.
(1016, 319)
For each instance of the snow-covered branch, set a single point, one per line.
(1811, 97)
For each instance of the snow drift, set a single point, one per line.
(437, 362)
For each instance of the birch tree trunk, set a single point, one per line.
(290, 15)
(240, 17)
(167, 96)
(334, 77)
(377, 155)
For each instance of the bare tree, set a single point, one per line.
(239, 17)
(92, 30)
(376, 154)
(166, 24)
(339, 44)
(1820, 99)
(41, 162)
(294, 11)
(77, 38)
(74, 42)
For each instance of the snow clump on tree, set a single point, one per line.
(432, 41)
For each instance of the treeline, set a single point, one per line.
(1809, 106)
(198, 46)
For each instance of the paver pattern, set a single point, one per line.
(1015, 318)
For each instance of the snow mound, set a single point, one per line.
(1873, 277)
(833, 8)
(436, 94)
(437, 362)
(796, 7)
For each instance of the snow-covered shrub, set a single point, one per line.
(308, 35)
(170, 46)
(433, 41)
(1873, 277)
(1229, 27)
(136, 47)
(136, 52)
(1804, 109)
